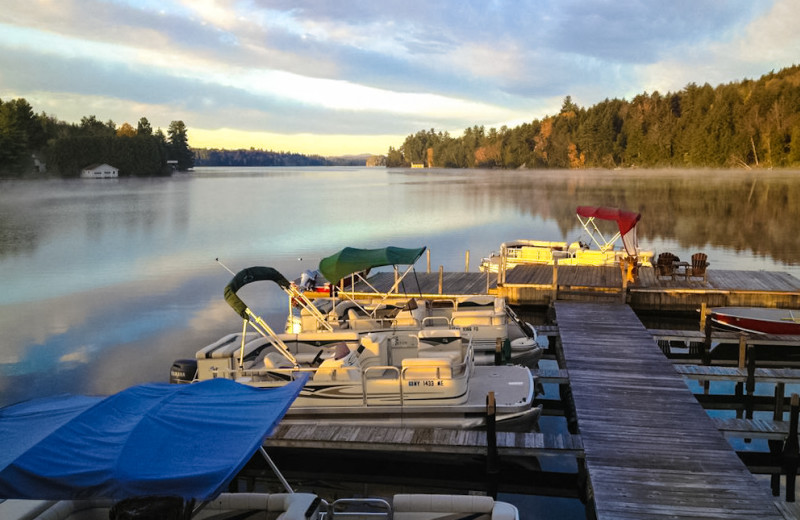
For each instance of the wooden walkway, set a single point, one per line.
(533, 285)
(651, 451)
(423, 440)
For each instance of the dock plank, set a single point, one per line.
(651, 451)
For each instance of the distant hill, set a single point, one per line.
(252, 157)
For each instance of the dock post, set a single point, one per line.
(791, 450)
(775, 446)
(555, 280)
(624, 285)
(428, 254)
(492, 462)
(742, 350)
(441, 279)
(466, 262)
(703, 311)
(498, 351)
(750, 384)
(705, 355)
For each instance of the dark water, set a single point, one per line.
(103, 283)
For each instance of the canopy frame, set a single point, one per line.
(626, 224)
(393, 256)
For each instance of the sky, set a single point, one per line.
(334, 77)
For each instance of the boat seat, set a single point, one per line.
(276, 360)
(411, 507)
(454, 356)
(372, 354)
(359, 321)
(337, 368)
(427, 368)
(292, 506)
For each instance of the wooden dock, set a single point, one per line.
(541, 285)
(651, 451)
(440, 441)
(534, 285)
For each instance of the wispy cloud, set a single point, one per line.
(248, 72)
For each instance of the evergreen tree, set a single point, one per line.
(178, 149)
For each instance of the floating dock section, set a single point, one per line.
(650, 450)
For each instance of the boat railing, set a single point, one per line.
(380, 371)
(435, 321)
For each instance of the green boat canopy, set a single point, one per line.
(351, 260)
(250, 275)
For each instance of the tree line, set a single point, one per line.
(39, 143)
(750, 123)
(257, 157)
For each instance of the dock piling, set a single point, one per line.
(492, 462)
(791, 450)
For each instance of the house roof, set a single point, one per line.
(98, 165)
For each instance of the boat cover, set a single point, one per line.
(626, 220)
(351, 260)
(250, 275)
(152, 439)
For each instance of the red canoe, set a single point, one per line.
(758, 319)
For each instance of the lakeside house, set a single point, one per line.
(100, 171)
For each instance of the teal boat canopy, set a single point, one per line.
(250, 275)
(352, 260)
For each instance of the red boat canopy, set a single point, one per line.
(626, 220)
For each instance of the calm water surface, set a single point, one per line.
(103, 283)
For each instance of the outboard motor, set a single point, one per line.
(183, 371)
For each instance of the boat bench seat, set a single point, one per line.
(427, 368)
(415, 507)
(291, 506)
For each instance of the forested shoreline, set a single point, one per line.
(749, 123)
(41, 145)
(254, 157)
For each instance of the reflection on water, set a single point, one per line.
(104, 283)
(88, 266)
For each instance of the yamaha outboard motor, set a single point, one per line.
(183, 371)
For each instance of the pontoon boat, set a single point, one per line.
(577, 253)
(484, 319)
(389, 377)
(168, 452)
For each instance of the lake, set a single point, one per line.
(103, 283)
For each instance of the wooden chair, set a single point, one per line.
(665, 265)
(699, 266)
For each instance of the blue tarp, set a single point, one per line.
(152, 439)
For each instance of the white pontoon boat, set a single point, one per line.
(389, 377)
(578, 253)
(484, 319)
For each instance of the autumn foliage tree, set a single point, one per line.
(751, 123)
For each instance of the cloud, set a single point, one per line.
(374, 68)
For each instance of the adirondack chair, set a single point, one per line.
(665, 265)
(699, 266)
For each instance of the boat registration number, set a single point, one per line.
(426, 382)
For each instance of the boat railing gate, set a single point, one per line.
(431, 321)
(383, 369)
